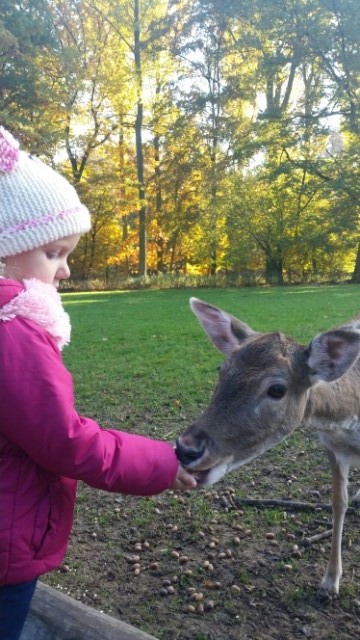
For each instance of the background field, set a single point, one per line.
(142, 363)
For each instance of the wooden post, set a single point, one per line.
(55, 616)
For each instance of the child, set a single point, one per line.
(45, 446)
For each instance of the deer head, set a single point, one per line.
(263, 390)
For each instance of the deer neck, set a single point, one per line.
(333, 410)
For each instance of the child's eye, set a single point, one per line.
(52, 255)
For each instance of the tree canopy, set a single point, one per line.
(205, 136)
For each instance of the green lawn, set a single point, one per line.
(141, 361)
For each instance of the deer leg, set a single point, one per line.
(340, 473)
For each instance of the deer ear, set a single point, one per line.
(332, 353)
(224, 331)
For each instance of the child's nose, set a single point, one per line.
(64, 271)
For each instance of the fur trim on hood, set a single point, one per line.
(42, 304)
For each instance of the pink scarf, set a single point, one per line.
(41, 303)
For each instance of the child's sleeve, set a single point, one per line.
(39, 417)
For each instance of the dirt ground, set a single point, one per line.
(205, 566)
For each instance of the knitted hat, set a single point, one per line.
(37, 204)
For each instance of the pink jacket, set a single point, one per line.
(45, 446)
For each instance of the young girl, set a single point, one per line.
(45, 446)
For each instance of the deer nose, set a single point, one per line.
(187, 455)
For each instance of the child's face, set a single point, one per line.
(47, 263)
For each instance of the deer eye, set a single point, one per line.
(277, 391)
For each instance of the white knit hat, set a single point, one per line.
(37, 204)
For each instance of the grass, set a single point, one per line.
(141, 361)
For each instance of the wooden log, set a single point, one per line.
(55, 616)
(318, 537)
(289, 505)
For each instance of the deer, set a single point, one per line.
(269, 385)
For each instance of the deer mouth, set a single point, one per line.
(207, 477)
(206, 468)
(200, 476)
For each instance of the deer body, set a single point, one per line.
(269, 385)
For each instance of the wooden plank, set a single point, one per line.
(55, 616)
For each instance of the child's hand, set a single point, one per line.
(183, 480)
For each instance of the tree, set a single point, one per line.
(212, 122)
(26, 34)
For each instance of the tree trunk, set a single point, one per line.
(122, 194)
(355, 278)
(274, 269)
(139, 148)
(213, 263)
(160, 242)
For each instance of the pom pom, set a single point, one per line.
(9, 151)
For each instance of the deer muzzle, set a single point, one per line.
(188, 455)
